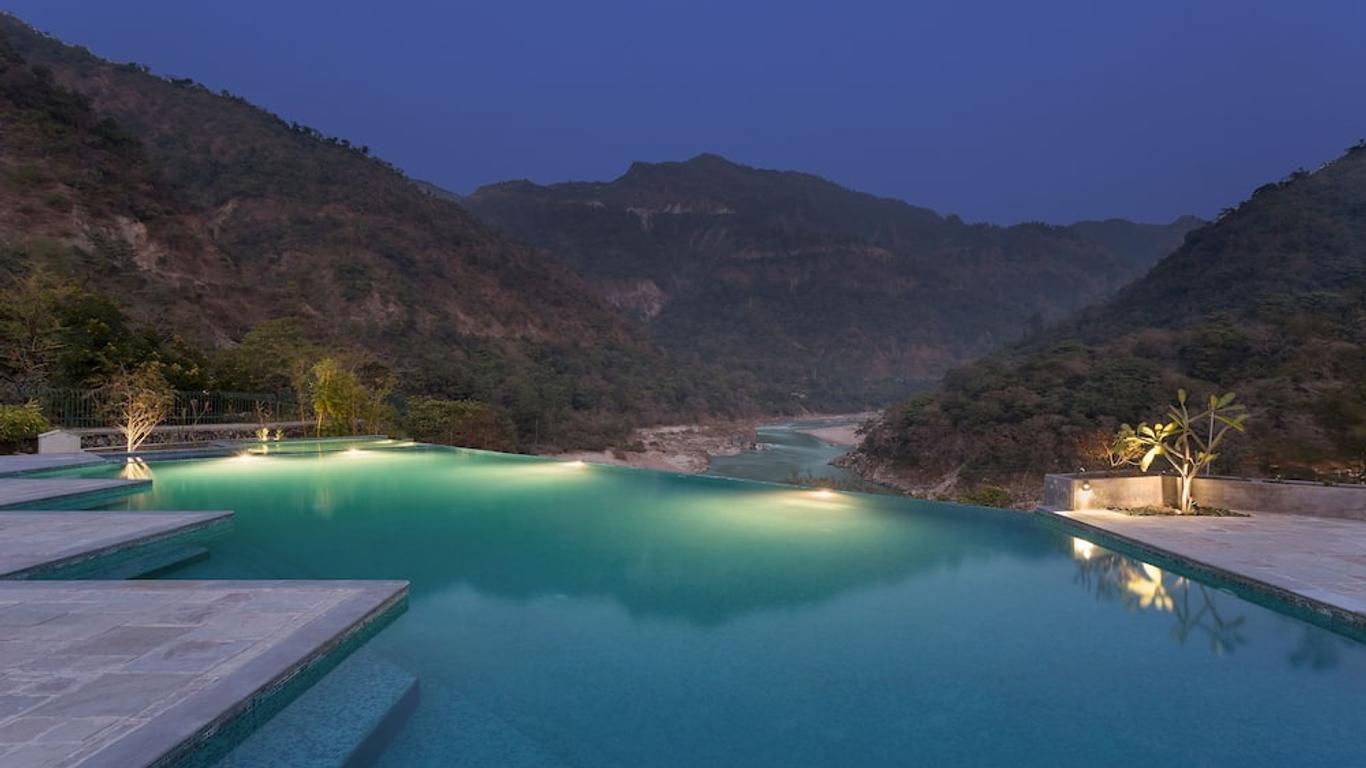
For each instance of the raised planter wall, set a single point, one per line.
(1283, 497)
(1070, 491)
(96, 438)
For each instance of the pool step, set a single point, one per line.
(135, 563)
(342, 721)
(154, 563)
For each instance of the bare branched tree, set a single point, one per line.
(138, 400)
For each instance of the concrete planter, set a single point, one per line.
(59, 441)
(1107, 490)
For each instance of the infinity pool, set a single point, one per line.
(578, 615)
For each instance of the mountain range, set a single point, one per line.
(680, 291)
(845, 299)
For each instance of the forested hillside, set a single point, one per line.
(201, 216)
(1269, 301)
(842, 298)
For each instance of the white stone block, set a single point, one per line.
(59, 441)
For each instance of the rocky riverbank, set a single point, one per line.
(690, 448)
(678, 448)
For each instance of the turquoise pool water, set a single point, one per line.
(577, 615)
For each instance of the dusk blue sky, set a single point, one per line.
(998, 111)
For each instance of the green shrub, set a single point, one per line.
(20, 424)
(986, 496)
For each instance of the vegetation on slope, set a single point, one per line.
(842, 298)
(1268, 301)
(202, 216)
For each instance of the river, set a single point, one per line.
(787, 452)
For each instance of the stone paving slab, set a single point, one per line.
(16, 492)
(32, 543)
(97, 673)
(1318, 560)
(32, 462)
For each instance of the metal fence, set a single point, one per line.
(85, 408)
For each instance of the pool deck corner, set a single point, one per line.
(16, 492)
(19, 463)
(37, 544)
(110, 673)
(1316, 562)
(143, 673)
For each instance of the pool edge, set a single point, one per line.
(1323, 614)
(208, 726)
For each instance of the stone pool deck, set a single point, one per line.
(37, 543)
(1319, 562)
(33, 462)
(140, 673)
(22, 491)
(108, 673)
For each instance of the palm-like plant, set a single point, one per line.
(1188, 441)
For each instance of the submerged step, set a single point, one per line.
(342, 721)
(153, 564)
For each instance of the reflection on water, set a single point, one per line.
(611, 617)
(1195, 608)
(1317, 650)
(135, 469)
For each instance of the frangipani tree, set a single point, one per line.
(1189, 441)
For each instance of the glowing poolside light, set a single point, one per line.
(823, 493)
(1084, 495)
(352, 453)
(575, 464)
(1082, 548)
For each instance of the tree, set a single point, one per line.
(274, 355)
(1188, 441)
(334, 390)
(138, 400)
(467, 423)
(341, 402)
(30, 334)
(96, 340)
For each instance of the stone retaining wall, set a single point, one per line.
(108, 437)
(1100, 491)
